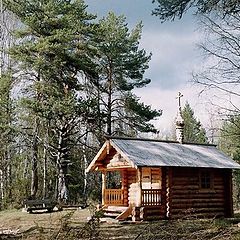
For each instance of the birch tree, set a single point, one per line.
(221, 71)
(7, 23)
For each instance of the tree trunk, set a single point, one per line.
(1, 185)
(62, 185)
(85, 167)
(109, 103)
(44, 171)
(34, 180)
(45, 162)
(62, 171)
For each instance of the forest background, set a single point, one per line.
(67, 78)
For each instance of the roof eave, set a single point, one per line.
(91, 165)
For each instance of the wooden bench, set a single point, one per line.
(36, 204)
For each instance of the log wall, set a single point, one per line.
(149, 213)
(132, 186)
(186, 197)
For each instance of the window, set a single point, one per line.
(206, 180)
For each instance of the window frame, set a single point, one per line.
(206, 177)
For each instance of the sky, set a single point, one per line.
(175, 57)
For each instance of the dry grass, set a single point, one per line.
(74, 225)
(31, 226)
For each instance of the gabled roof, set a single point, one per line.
(145, 152)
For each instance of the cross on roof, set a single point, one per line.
(179, 99)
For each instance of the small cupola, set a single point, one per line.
(179, 121)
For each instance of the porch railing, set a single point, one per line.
(113, 197)
(151, 197)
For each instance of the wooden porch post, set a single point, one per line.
(125, 187)
(139, 180)
(103, 186)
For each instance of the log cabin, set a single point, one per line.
(165, 179)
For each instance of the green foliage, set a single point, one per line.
(171, 9)
(118, 50)
(230, 143)
(230, 137)
(140, 114)
(193, 131)
(55, 38)
(53, 50)
(74, 76)
(121, 65)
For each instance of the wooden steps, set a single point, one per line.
(117, 212)
(125, 214)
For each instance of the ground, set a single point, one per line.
(78, 224)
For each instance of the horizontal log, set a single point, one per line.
(219, 187)
(153, 213)
(153, 218)
(185, 187)
(197, 193)
(185, 180)
(220, 180)
(199, 210)
(196, 216)
(196, 187)
(200, 197)
(196, 205)
(189, 191)
(196, 200)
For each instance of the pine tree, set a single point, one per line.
(121, 66)
(193, 131)
(54, 52)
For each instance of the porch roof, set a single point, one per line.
(145, 152)
(155, 153)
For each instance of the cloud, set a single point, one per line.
(165, 99)
(174, 57)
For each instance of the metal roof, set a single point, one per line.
(159, 153)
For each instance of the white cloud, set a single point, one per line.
(174, 57)
(165, 99)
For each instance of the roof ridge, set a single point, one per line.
(156, 140)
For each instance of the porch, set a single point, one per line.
(151, 206)
(149, 197)
(132, 187)
(131, 191)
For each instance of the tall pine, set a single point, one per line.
(193, 130)
(53, 51)
(121, 65)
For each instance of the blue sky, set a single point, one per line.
(175, 55)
